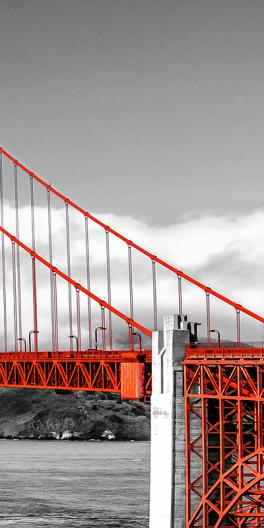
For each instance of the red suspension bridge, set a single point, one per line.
(63, 330)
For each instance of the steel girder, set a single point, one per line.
(91, 371)
(224, 438)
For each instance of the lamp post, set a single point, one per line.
(22, 339)
(139, 339)
(76, 340)
(214, 331)
(29, 338)
(102, 328)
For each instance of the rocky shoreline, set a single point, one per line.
(45, 415)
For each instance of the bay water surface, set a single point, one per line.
(74, 484)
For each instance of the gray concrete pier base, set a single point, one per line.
(167, 465)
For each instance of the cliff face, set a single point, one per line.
(43, 414)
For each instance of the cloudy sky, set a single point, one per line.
(149, 113)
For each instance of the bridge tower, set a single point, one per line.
(167, 468)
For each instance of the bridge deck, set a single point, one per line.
(125, 371)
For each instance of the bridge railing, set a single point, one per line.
(253, 350)
(226, 344)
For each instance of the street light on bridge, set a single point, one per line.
(214, 331)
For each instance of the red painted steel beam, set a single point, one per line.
(230, 354)
(246, 514)
(94, 354)
(154, 258)
(64, 374)
(78, 286)
(92, 370)
(234, 436)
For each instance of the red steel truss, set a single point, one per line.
(124, 372)
(224, 399)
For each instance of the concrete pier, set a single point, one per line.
(167, 469)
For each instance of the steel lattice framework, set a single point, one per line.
(226, 395)
(224, 387)
(120, 371)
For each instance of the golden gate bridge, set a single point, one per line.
(223, 380)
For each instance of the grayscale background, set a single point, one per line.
(150, 113)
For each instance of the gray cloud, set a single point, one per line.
(224, 252)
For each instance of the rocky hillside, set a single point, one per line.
(41, 414)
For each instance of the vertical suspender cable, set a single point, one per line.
(69, 270)
(52, 315)
(130, 277)
(103, 327)
(78, 309)
(35, 313)
(130, 337)
(88, 280)
(34, 280)
(14, 294)
(208, 317)
(238, 326)
(155, 305)
(55, 311)
(109, 297)
(131, 297)
(3, 253)
(33, 236)
(19, 303)
(180, 295)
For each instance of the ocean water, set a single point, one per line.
(74, 484)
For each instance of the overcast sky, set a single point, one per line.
(146, 107)
(149, 112)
